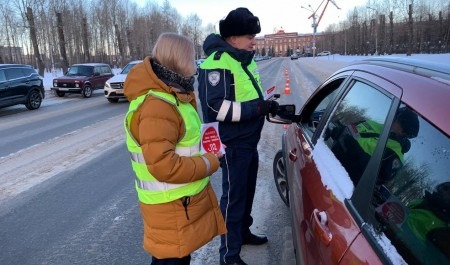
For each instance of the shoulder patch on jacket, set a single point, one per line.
(214, 78)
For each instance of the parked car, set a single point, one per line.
(82, 79)
(114, 86)
(294, 56)
(324, 53)
(20, 84)
(364, 165)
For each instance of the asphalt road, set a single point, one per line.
(66, 185)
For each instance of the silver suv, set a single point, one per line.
(114, 86)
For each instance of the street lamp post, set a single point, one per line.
(376, 28)
(314, 26)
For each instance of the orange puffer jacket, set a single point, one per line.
(170, 229)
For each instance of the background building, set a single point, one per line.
(285, 43)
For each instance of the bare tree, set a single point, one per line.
(62, 42)
(192, 29)
(30, 19)
(410, 30)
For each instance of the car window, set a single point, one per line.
(2, 76)
(81, 70)
(127, 68)
(412, 206)
(106, 70)
(315, 109)
(355, 126)
(13, 73)
(28, 71)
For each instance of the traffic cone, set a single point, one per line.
(287, 90)
(287, 80)
(286, 72)
(285, 126)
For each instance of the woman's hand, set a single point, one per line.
(219, 155)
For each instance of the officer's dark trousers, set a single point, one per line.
(172, 261)
(239, 171)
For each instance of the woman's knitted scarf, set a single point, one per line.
(170, 78)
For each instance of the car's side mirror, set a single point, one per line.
(285, 115)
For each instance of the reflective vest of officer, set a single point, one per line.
(149, 189)
(367, 133)
(421, 220)
(244, 88)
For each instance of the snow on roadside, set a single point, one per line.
(437, 58)
(42, 161)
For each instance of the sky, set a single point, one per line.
(285, 14)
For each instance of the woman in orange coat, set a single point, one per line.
(178, 205)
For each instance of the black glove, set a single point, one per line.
(267, 106)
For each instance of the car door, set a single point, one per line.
(302, 175)
(327, 180)
(17, 88)
(4, 97)
(96, 79)
(105, 74)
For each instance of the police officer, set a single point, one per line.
(230, 92)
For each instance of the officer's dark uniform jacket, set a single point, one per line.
(229, 91)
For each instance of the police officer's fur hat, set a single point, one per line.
(409, 121)
(239, 22)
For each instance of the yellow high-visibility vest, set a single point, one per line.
(149, 189)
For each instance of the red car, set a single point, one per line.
(82, 79)
(365, 165)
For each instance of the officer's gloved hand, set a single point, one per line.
(267, 106)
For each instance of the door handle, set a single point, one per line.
(319, 225)
(293, 154)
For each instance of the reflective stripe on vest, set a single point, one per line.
(149, 189)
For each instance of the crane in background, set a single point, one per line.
(315, 21)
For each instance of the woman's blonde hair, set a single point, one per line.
(175, 52)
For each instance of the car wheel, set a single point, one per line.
(60, 94)
(279, 174)
(113, 100)
(34, 100)
(87, 92)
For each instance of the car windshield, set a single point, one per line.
(81, 70)
(128, 68)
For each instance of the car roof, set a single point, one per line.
(15, 65)
(425, 85)
(90, 64)
(135, 62)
